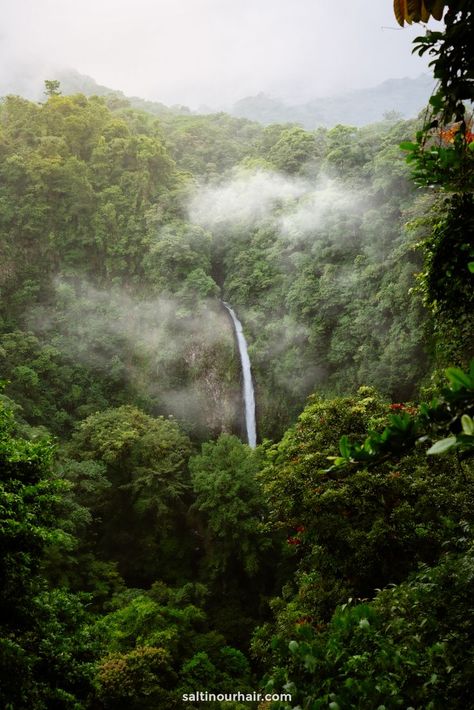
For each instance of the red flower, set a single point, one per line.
(398, 407)
(293, 541)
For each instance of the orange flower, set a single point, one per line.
(448, 135)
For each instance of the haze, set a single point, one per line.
(210, 52)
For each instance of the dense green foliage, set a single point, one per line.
(146, 551)
(354, 530)
(100, 211)
(443, 152)
(145, 464)
(90, 203)
(389, 504)
(409, 647)
(159, 646)
(46, 652)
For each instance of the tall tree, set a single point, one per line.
(45, 651)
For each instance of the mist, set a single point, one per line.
(168, 355)
(294, 207)
(246, 197)
(210, 52)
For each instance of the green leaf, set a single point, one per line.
(470, 266)
(467, 424)
(442, 445)
(437, 102)
(293, 646)
(408, 145)
(458, 377)
(344, 447)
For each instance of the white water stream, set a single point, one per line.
(249, 395)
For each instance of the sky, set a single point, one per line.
(208, 52)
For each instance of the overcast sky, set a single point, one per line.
(208, 51)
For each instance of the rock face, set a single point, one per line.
(208, 401)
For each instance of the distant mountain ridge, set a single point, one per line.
(72, 82)
(27, 84)
(359, 107)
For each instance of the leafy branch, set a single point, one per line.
(443, 153)
(451, 413)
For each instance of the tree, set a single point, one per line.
(146, 463)
(45, 650)
(229, 499)
(177, 251)
(157, 645)
(360, 528)
(294, 148)
(52, 87)
(409, 647)
(443, 152)
(443, 156)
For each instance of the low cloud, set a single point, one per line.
(295, 208)
(172, 358)
(246, 198)
(317, 207)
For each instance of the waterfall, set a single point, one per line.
(249, 396)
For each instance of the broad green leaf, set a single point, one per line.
(458, 377)
(437, 102)
(407, 145)
(442, 445)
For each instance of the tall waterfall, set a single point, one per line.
(249, 396)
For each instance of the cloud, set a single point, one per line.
(295, 208)
(211, 51)
(244, 199)
(317, 207)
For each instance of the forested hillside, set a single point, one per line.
(120, 232)
(147, 553)
(402, 97)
